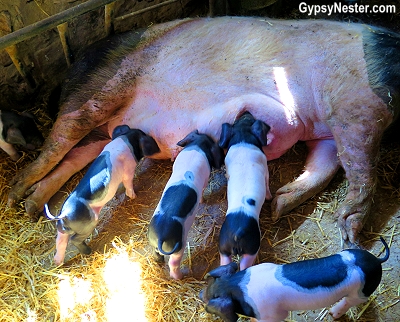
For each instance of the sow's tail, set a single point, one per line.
(384, 259)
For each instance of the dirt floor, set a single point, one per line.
(104, 286)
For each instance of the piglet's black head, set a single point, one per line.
(216, 295)
(224, 270)
(214, 154)
(245, 129)
(141, 143)
(21, 129)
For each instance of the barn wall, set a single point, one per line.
(42, 56)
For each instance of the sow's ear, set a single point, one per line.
(188, 138)
(226, 135)
(260, 130)
(224, 270)
(148, 145)
(120, 130)
(222, 307)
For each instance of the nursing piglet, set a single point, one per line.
(267, 292)
(18, 129)
(175, 212)
(115, 165)
(248, 187)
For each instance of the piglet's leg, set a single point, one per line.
(129, 173)
(321, 165)
(344, 304)
(61, 246)
(175, 265)
(225, 259)
(247, 261)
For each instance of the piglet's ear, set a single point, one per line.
(224, 270)
(14, 136)
(148, 145)
(223, 307)
(226, 134)
(260, 130)
(218, 156)
(120, 130)
(188, 138)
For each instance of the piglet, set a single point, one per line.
(116, 164)
(267, 292)
(175, 212)
(248, 187)
(18, 129)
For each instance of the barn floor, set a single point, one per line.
(121, 282)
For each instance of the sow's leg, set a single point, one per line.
(321, 165)
(67, 131)
(358, 147)
(75, 160)
(97, 89)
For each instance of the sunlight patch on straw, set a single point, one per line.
(125, 295)
(73, 291)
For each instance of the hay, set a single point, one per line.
(121, 282)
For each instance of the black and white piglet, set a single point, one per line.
(248, 187)
(175, 212)
(18, 129)
(267, 292)
(115, 165)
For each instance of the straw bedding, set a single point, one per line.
(120, 281)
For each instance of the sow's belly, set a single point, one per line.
(169, 118)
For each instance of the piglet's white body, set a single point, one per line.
(267, 292)
(281, 296)
(176, 210)
(191, 167)
(247, 174)
(122, 169)
(116, 164)
(248, 187)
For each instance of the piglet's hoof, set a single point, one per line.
(84, 249)
(178, 274)
(158, 258)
